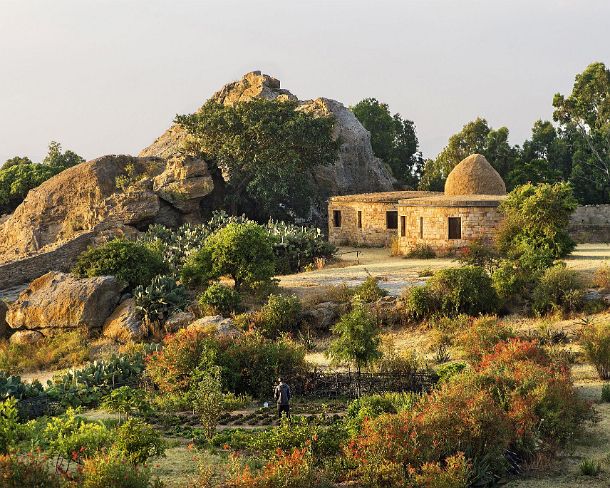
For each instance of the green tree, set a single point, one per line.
(266, 150)
(475, 137)
(584, 118)
(16, 160)
(58, 159)
(393, 139)
(356, 340)
(208, 399)
(545, 158)
(242, 251)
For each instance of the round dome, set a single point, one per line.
(474, 176)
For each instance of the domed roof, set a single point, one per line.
(474, 176)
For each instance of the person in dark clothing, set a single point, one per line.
(282, 398)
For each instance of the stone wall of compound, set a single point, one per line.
(372, 230)
(429, 225)
(61, 258)
(591, 223)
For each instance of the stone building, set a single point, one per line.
(466, 211)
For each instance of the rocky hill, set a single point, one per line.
(356, 170)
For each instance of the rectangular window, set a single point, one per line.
(403, 226)
(337, 218)
(360, 219)
(421, 227)
(391, 219)
(455, 227)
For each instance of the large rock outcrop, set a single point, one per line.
(103, 195)
(356, 169)
(58, 301)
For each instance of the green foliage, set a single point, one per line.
(369, 290)
(559, 288)
(451, 292)
(280, 314)
(160, 299)
(536, 219)
(448, 371)
(480, 253)
(107, 470)
(220, 299)
(19, 175)
(590, 467)
(364, 408)
(267, 149)
(13, 386)
(131, 262)
(393, 139)
(29, 471)
(355, 338)
(475, 137)
(595, 341)
(421, 251)
(126, 401)
(481, 337)
(242, 251)
(208, 399)
(137, 442)
(8, 424)
(605, 397)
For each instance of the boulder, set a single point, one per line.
(124, 324)
(60, 301)
(322, 315)
(26, 337)
(356, 169)
(222, 326)
(5, 331)
(179, 320)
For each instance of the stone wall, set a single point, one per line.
(374, 231)
(61, 258)
(591, 223)
(477, 223)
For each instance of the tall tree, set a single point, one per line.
(15, 161)
(475, 137)
(584, 118)
(266, 150)
(393, 139)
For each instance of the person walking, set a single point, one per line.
(282, 398)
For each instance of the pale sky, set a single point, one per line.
(108, 76)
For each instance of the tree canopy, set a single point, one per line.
(266, 150)
(393, 139)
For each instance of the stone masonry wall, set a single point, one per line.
(477, 222)
(591, 223)
(373, 231)
(59, 259)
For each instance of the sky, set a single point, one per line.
(108, 76)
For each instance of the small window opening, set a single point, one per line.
(391, 219)
(455, 227)
(360, 219)
(421, 227)
(403, 226)
(337, 218)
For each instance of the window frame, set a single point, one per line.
(403, 225)
(359, 219)
(387, 219)
(337, 218)
(454, 236)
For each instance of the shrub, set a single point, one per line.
(421, 251)
(8, 424)
(466, 290)
(480, 253)
(605, 393)
(446, 372)
(559, 288)
(137, 442)
(601, 278)
(59, 351)
(220, 299)
(131, 262)
(513, 281)
(31, 471)
(595, 341)
(108, 470)
(126, 401)
(365, 408)
(208, 399)
(590, 467)
(242, 251)
(481, 337)
(161, 298)
(280, 314)
(369, 290)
